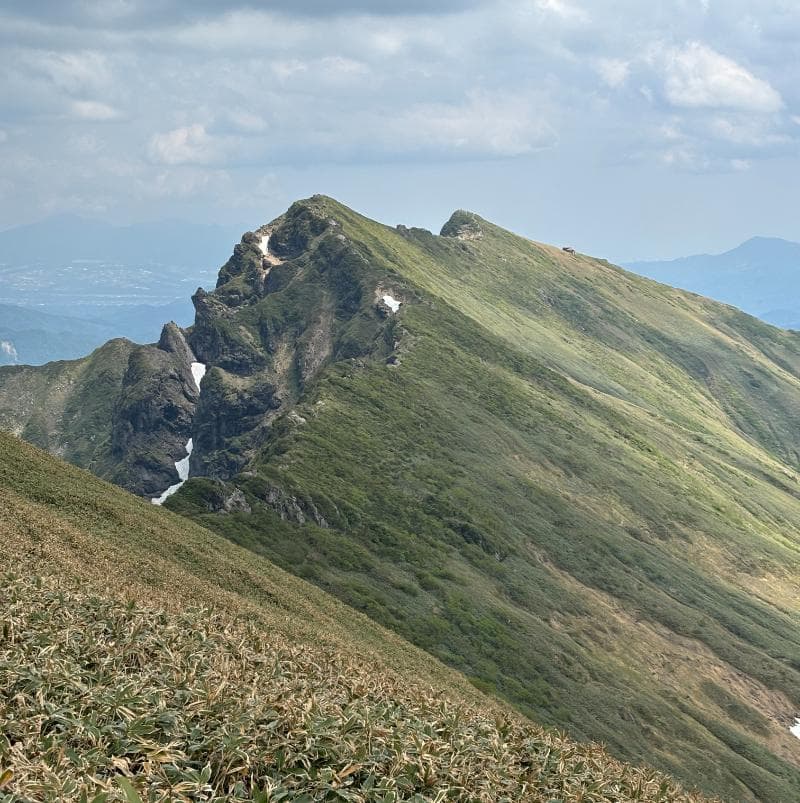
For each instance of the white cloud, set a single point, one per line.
(247, 122)
(93, 110)
(696, 76)
(338, 68)
(186, 181)
(614, 72)
(187, 145)
(486, 124)
(687, 158)
(7, 348)
(286, 68)
(73, 71)
(746, 130)
(563, 9)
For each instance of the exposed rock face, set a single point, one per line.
(173, 341)
(463, 225)
(233, 411)
(294, 296)
(236, 502)
(152, 417)
(292, 508)
(273, 323)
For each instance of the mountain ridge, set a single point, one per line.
(576, 485)
(760, 276)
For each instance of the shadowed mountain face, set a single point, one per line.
(576, 485)
(125, 412)
(761, 276)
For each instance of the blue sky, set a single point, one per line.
(627, 129)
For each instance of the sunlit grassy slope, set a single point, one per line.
(575, 485)
(141, 655)
(66, 406)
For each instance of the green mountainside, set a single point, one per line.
(575, 485)
(124, 412)
(145, 658)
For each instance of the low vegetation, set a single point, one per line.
(128, 673)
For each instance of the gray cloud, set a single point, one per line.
(131, 108)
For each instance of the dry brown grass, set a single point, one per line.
(199, 706)
(150, 651)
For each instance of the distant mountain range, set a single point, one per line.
(760, 276)
(32, 337)
(68, 284)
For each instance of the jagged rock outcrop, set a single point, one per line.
(291, 507)
(463, 225)
(272, 324)
(125, 411)
(295, 295)
(152, 417)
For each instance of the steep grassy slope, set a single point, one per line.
(66, 407)
(575, 485)
(113, 678)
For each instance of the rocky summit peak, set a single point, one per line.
(463, 225)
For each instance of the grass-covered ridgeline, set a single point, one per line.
(575, 485)
(144, 658)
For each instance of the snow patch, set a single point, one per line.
(795, 729)
(182, 467)
(392, 303)
(198, 372)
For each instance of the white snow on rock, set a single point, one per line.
(392, 303)
(182, 465)
(795, 729)
(264, 245)
(198, 372)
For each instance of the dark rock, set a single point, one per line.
(292, 508)
(301, 224)
(173, 341)
(229, 417)
(463, 225)
(152, 417)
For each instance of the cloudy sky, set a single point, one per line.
(626, 128)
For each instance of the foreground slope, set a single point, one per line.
(111, 672)
(575, 485)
